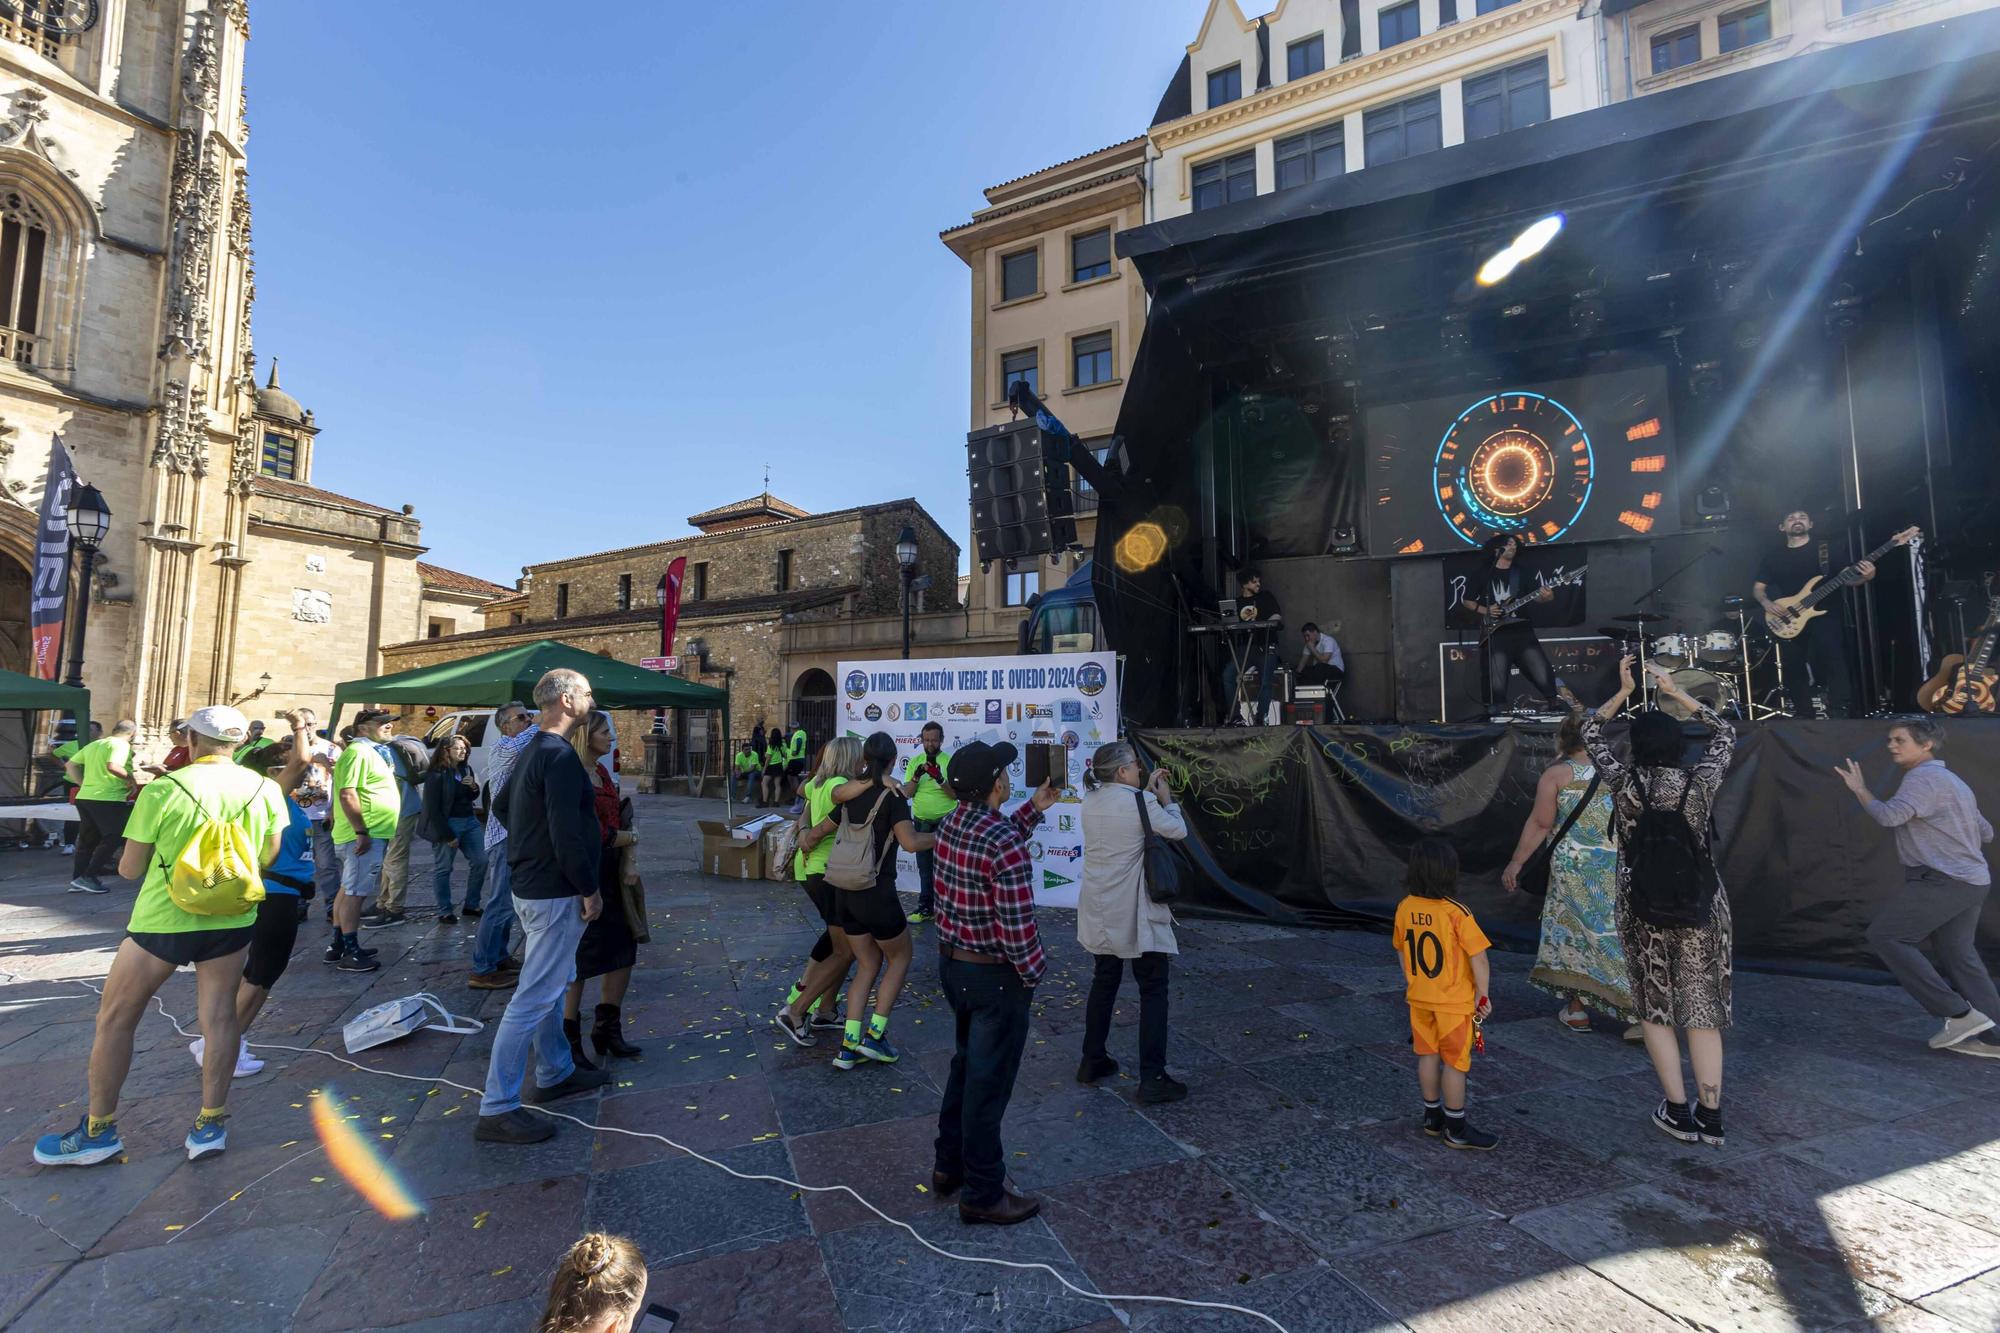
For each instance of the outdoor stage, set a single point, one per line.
(1314, 823)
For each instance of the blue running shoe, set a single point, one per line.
(78, 1147)
(849, 1057)
(879, 1050)
(207, 1136)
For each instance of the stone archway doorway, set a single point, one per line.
(813, 706)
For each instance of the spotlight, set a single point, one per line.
(1522, 248)
(1340, 429)
(1704, 379)
(1455, 336)
(1711, 506)
(1344, 541)
(1340, 356)
(1843, 312)
(1586, 312)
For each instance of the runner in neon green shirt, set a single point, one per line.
(101, 771)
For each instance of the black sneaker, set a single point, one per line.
(381, 919)
(1092, 1069)
(830, 1017)
(472, 913)
(356, 961)
(1434, 1121)
(1708, 1123)
(579, 1080)
(446, 919)
(1459, 1133)
(335, 951)
(515, 1126)
(1161, 1088)
(1677, 1120)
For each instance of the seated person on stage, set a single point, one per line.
(1321, 662)
(1260, 652)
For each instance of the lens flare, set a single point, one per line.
(358, 1162)
(1523, 247)
(1142, 547)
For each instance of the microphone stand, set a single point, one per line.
(1646, 690)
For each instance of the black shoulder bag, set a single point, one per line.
(1161, 862)
(1534, 878)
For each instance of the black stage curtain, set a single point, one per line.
(1315, 823)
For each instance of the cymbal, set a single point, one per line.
(1642, 618)
(1731, 602)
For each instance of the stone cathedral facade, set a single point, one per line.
(127, 279)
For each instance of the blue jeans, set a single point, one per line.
(534, 1011)
(1267, 676)
(746, 784)
(926, 870)
(326, 865)
(490, 946)
(989, 1006)
(471, 835)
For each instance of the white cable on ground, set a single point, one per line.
(1028, 1266)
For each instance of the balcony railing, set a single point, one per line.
(18, 23)
(17, 347)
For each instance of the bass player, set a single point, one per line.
(1819, 655)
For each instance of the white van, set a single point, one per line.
(476, 725)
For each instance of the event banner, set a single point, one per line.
(1316, 823)
(51, 590)
(1069, 699)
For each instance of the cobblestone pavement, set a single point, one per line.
(1860, 1186)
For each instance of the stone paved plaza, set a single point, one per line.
(1860, 1186)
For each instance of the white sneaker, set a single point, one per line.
(246, 1063)
(1955, 1030)
(1984, 1050)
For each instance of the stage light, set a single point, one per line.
(1340, 356)
(1522, 248)
(1704, 379)
(1843, 312)
(1711, 506)
(1340, 429)
(1345, 541)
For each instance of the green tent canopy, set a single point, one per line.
(19, 691)
(496, 678)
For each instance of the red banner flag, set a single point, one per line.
(50, 595)
(670, 605)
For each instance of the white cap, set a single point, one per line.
(220, 723)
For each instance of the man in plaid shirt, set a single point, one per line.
(989, 959)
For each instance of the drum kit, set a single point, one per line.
(1718, 667)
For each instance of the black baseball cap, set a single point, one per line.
(975, 765)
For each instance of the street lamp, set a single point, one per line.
(906, 556)
(666, 649)
(88, 518)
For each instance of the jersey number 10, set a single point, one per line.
(1424, 951)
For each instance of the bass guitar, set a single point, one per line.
(1967, 682)
(1794, 613)
(1496, 616)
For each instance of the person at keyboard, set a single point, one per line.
(1255, 605)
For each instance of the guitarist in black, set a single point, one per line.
(1513, 642)
(1819, 655)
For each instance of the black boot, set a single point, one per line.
(608, 1036)
(573, 1029)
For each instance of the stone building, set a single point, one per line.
(772, 598)
(126, 287)
(1053, 305)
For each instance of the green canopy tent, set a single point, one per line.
(32, 694)
(495, 678)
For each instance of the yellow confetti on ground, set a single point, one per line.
(723, 1116)
(923, 1189)
(503, 1272)
(452, 1110)
(293, 1143)
(387, 1120)
(319, 1180)
(479, 1219)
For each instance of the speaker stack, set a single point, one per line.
(1022, 498)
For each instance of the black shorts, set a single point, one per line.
(185, 948)
(822, 895)
(871, 911)
(276, 931)
(796, 769)
(774, 770)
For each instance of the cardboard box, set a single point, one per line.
(731, 850)
(769, 842)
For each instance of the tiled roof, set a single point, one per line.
(729, 608)
(293, 490)
(673, 543)
(754, 505)
(1122, 143)
(437, 576)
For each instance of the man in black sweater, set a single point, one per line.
(552, 851)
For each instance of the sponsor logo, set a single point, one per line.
(1065, 823)
(1066, 853)
(916, 712)
(895, 712)
(1051, 880)
(851, 712)
(1040, 710)
(1093, 735)
(1036, 850)
(966, 710)
(1090, 679)
(873, 712)
(1013, 735)
(992, 710)
(857, 684)
(1072, 710)
(1071, 740)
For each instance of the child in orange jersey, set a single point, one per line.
(1444, 956)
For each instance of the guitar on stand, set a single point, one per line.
(1794, 613)
(1967, 682)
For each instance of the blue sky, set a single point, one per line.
(637, 257)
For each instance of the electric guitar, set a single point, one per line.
(1495, 617)
(1795, 612)
(1967, 682)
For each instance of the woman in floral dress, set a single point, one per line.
(1581, 959)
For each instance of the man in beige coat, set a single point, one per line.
(1117, 920)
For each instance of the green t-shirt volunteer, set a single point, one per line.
(362, 769)
(746, 761)
(95, 759)
(929, 799)
(173, 810)
(819, 805)
(66, 751)
(799, 744)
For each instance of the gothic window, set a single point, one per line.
(24, 244)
